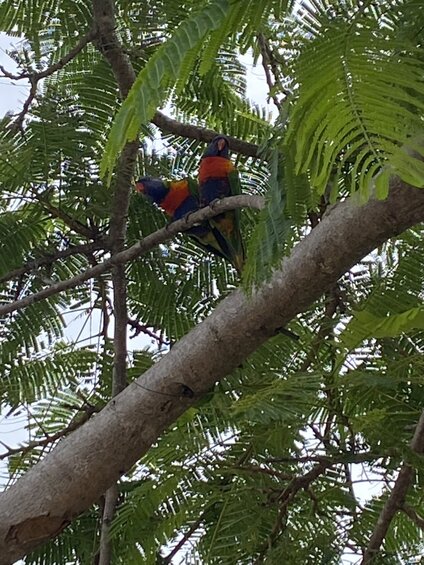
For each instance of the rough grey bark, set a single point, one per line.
(73, 476)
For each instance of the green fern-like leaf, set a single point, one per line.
(360, 103)
(375, 326)
(266, 244)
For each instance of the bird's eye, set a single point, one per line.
(139, 186)
(221, 144)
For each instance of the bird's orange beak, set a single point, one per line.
(221, 144)
(139, 186)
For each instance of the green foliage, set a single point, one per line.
(359, 102)
(394, 306)
(268, 466)
(389, 326)
(269, 238)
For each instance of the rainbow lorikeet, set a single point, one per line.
(177, 199)
(219, 178)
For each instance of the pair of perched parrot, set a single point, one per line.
(218, 178)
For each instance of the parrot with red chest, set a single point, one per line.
(177, 199)
(218, 178)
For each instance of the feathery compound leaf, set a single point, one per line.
(360, 104)
(395, 305)
(266, 244)
(153, 82)
(217, 38)
(365, 325)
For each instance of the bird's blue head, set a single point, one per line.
(154, 189)
(218, 147)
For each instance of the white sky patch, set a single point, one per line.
(256, 86)
(13, 93)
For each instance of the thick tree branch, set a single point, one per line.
(85, 464)
(396, 500)
(148, 243)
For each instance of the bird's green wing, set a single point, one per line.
(235, 185)
(234, 235)
(193, 187)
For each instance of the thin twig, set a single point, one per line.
(142, 328)
(262, 470)
(302, 482)
(89, 410)
(35, 77)
(50, 258)
(85, 39)
(336, 459)
(396, 499)
(184, 539)
(68, 220)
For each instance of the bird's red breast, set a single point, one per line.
(214, 167)
(178, 192)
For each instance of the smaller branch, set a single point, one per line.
(105, 304)
(265, 52)
(139, 248)
(73, 224)
(85, 39)
(396, 500)
(413, 515)
(324, 331)
(169, 125)
(263, 470)
(17, 125)
(302, 482)
(110, 502)
(7, 74)
(338, 459)
(142, 328)
(120, 317)
(88, 409)
(50, 258)
(35, 77)
(184, 539)
(57, 66)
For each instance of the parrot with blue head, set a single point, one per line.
(177, 199)
(218, 178)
